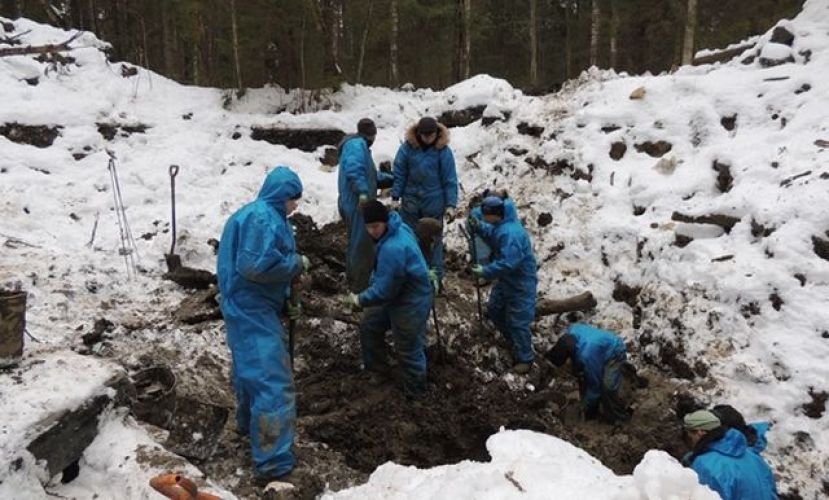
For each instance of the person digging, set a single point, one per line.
(399, 298)
(597, 358)
(511, 305)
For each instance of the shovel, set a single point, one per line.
(173, 260)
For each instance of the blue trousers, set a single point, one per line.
(264, 385)
(409, 335)
(513, 310)
(359, 258)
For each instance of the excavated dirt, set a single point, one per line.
(351, 421)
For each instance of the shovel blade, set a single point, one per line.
(173, 261)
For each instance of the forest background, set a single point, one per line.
(534, 44)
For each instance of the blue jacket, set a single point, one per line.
(594, 348)
(426, 174)
(357, 174)
(728, 467)
(762, 428)
(401, 278)
(257, 255)
(513, 260)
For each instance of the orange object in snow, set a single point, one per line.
(178, 487)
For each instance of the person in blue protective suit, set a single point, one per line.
(723, 461)
(482, 251)
(598, 358)
(754, 432)
(357, 183)
(399, 298)
(511, 305)
(257, 261)
(425, 180)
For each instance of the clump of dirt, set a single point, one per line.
(816, 407)
(40, 136)
(656, 149)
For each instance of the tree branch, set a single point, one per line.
(39, 49)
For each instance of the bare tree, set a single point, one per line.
(167, 44)
(362, 56)
(614, 29)
(464, 47)
(534, 42)
(394, 76)
(235, 44)
(595, 27)
(328, 15)
(690, 30)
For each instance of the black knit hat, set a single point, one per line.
(366, 127)
(374, 211)
(427, 125)
(564, 349)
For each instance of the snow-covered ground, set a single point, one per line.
(746, 310)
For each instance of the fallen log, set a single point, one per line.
(581, 302)
(39, 49)
(721, 55)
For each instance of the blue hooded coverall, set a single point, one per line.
(426, 182)
(511, 303)
(730, 468)
(257, 261)
(399, 298)
(599, 356)
(482, 250)
(357, 175)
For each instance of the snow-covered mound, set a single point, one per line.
(529, 465)
(705, 241)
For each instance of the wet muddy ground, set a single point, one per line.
(351, 421)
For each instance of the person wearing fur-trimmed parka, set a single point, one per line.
(425, 180)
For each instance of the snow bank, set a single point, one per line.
(530, 465)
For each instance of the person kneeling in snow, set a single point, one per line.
(511, 304)
(723, 461)
(597, 358)
(399, 297)
(257, 261)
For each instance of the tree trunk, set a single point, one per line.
(690, 30)
(328, 18)
(167, 46)
(463, 48)
(568, 46)
(302, 82)
(363, 43)
(235, 44)
(614, 28)
(534, 43)
(394, 77)
(595, 29)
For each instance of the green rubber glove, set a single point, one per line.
(293, 311)
(434, 279)
(352, 302)
(306, 263)
(478, 272)
(362, 200)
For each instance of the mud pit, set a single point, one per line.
(351, 421)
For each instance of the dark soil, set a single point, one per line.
(351, 421)
(40, 136)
